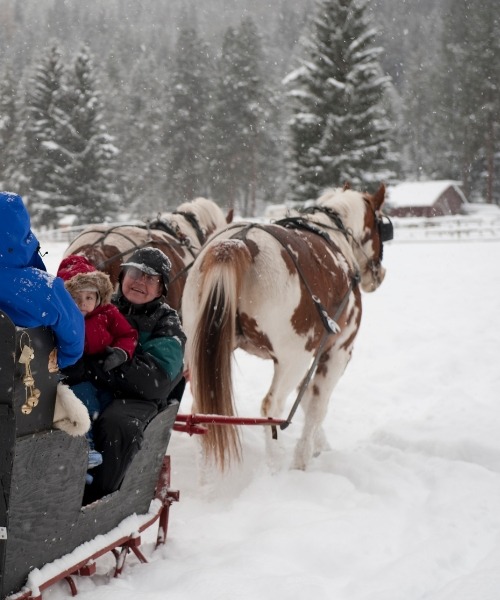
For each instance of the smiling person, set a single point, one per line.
(143, 385)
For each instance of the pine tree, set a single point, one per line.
(188, 117)
(242, 129)
(417, 130)
(36, 132)
(136, 108)
(466, 145)
(85, 177)
(339, 130)
(8, 126)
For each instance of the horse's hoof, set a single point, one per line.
(298, 465)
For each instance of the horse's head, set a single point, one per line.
(369, 249)
(365, 227)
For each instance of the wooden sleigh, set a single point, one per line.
(45, 533)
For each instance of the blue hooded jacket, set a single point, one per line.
(28, 294)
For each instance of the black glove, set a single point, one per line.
(73, 374)
(115, 358)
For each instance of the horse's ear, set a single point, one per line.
(229, 216)
(379, 197)
(347, 186)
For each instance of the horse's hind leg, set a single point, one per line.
(315, 405)
(320, 442)
(285, 379)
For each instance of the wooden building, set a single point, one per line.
(425, 199)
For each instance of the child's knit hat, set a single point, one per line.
(80, 275)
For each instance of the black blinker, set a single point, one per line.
(385, 229)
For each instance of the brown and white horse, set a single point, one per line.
(288, 292)
(179, 234)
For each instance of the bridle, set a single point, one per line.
(385, 231)
(383, 225)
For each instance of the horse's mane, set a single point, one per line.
(348, 204)
(206, 211)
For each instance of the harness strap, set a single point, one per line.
(116, 231)
(331, 214)
(301, 223)
(160, 224)
(329, 324)
(165, 226)
(106, 262)
(193, 221)
(104, 234)
(173, 230)
(317, 356)
(184, 239)
(181, 272)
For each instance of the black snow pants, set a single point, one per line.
(118, 435)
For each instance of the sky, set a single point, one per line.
(405, 505)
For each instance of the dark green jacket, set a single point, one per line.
(158, 360)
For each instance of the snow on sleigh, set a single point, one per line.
(45, 533)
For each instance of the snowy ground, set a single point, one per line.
(406, 505)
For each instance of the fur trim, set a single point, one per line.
(70, 414)
(96, 279)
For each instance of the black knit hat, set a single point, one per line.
(151, 261)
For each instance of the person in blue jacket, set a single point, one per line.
(29, 296)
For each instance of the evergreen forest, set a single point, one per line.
(121, 107)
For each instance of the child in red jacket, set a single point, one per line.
(107, 331)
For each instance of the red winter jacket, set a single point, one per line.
(106, 326)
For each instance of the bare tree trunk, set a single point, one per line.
(490, 161)
(253, 185)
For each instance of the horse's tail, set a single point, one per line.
(212, 342)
